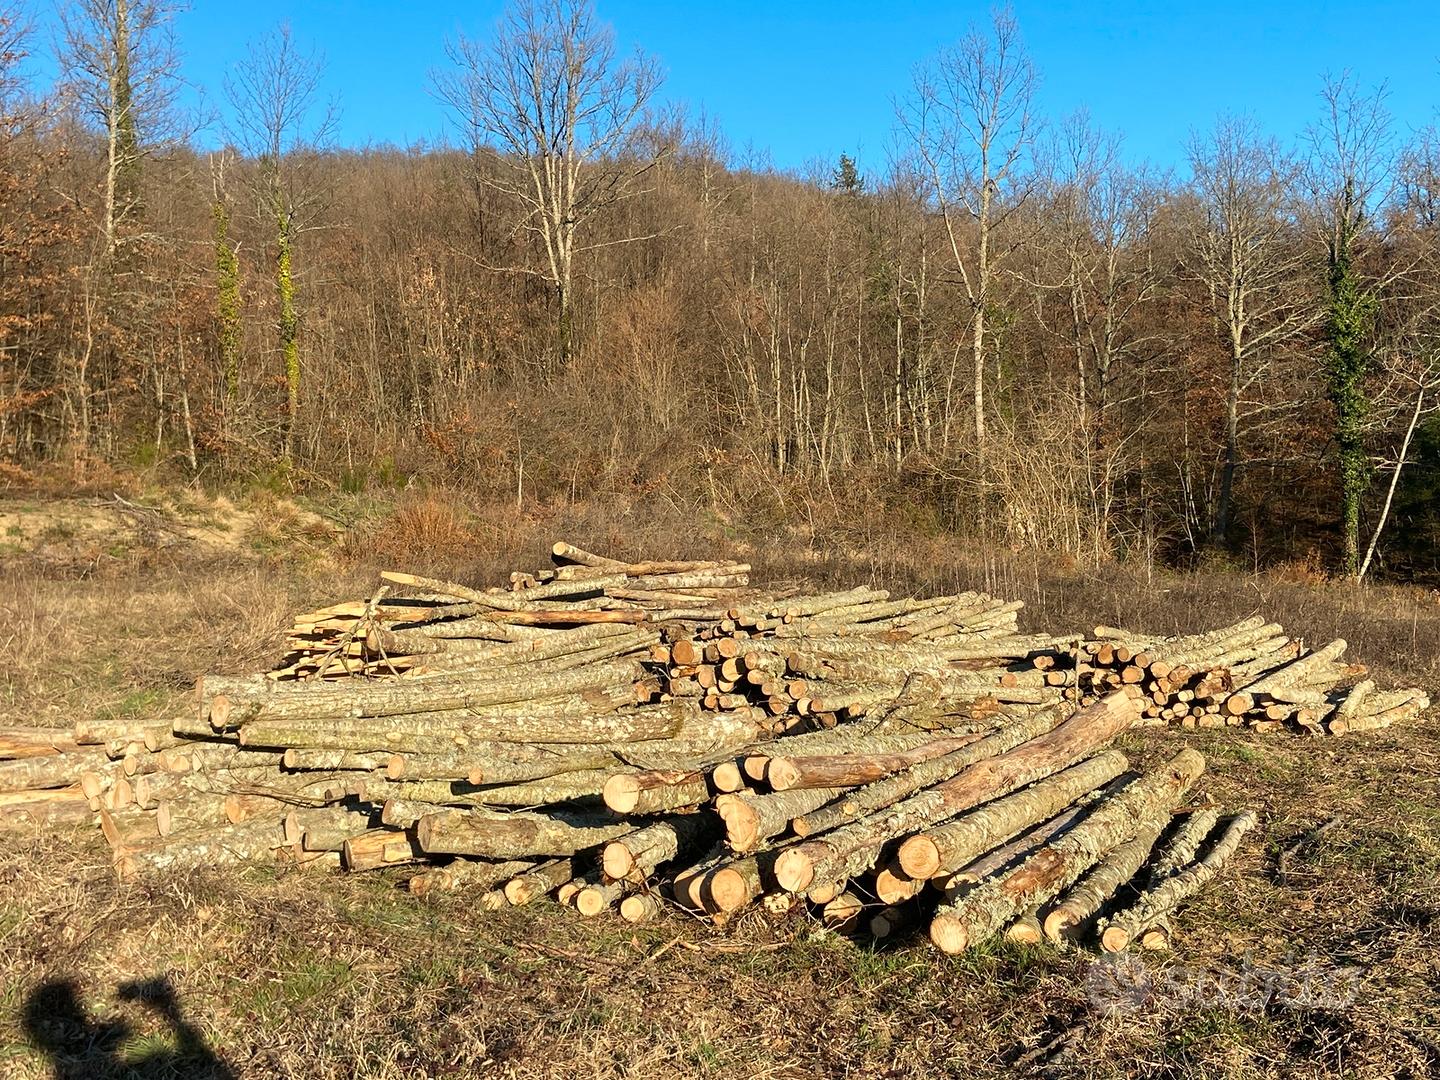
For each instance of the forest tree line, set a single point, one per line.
(1011, 331)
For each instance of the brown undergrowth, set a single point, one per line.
(1313, 956)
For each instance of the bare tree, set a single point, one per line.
(970, 119)
(553, 117)
(279, 123)
(1243, 251)
(121, 71)
(14, 49)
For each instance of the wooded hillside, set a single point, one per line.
(1013, 331)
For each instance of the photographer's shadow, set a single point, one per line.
(80, 1048)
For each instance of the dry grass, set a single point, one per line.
(287, 975)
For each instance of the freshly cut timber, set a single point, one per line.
(855, 847)
(948, 847)
(1159, 901)
(498, 835)
(995, 902)
(615, 731)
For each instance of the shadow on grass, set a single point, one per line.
(81, 1048)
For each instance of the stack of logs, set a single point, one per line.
(622, 735)
(1250, 674)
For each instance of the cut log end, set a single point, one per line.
(1114, 939)
(742, 824)
(639, 908)
(795, 870)
(617, 861)
(728, 777)
(728, 889)
(591, 901)
(920, 857)
(949, 934)
(622, 793)
(782, 774)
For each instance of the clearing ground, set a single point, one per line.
(1314, 954)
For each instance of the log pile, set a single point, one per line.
(1250, 674)
(623, 736)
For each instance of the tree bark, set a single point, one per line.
(947, 848)
(1157, 902)
(856, 847)
(496, 835)
(983, 911)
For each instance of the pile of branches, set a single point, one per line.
(626, 735)
(1250, 674)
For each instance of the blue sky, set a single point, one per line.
(806, 79)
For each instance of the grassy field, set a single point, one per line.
(1313, 956)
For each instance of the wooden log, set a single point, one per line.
(947, 847)
(541, 879)
(853, 770)
(16, 743)
(735, 883)
(1180, 847)
(381, 847)
(47, 808)
(1009, 854)
(752, 818)
(334, 760)
(1040, 877)
(1159, 901)
(891, 790)
(221, 845)
(1283, 679)
(637, 855)
(654, 791)
(856, 846)
(893, 886)
(640, 907)
(563, 787)
(1026, 929)
(49, 771)
(497, 835)
(396, 697)
(842, 913)
(1075, 913)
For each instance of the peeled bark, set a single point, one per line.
(50, 807)
(18, 743)
(852, 770)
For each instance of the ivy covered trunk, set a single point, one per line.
(289, 330)
(227, 303)
(1346, 362)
